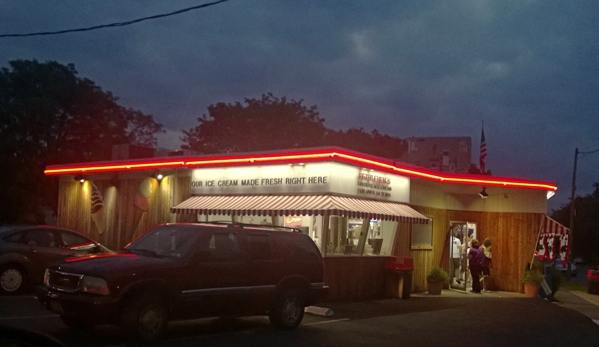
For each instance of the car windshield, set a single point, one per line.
(165, 241)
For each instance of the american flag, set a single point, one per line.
(483, 151)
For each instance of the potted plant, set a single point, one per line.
(532, 278)
(436, 278)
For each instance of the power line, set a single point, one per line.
(119, 24)
(588, 152)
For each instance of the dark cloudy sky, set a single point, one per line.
(528, 68)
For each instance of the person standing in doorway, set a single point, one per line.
(465, 249)
(487, 264)
(476, 258)
(455, 247)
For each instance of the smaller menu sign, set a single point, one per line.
(374, 185)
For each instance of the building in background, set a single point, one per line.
(449, 154)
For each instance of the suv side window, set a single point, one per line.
(260, 247)
(299, 248)
(223, 247)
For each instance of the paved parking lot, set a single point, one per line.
(451, 319)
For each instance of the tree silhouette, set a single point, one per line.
(272, 123)
(268, 123)
(586, 225)
(48, 115)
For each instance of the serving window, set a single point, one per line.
(422, 235)
(345, 236)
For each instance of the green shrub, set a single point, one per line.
(437, 274)
(532, 276)
(538, 267)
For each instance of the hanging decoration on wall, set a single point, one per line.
(97, 209)
(553, 241)
(564, 250)
(142, 200)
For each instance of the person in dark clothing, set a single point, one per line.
(476, 258)
(487, 264)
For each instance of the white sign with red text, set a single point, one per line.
(316, 178)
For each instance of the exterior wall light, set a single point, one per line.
(79, 178)
(483, 193)
(158, 176)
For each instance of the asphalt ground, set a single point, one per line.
(458, 318)
(454, 318)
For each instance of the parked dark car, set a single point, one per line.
(579, 261)
(564, 268)
(26, 252)
(190, 270)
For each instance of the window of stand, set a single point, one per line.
(345, 235)
(422, 235)
(349, 236)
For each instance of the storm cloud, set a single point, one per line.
(528, 69)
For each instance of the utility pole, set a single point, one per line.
(572, 211)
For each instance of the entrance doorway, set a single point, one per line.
(461, 233)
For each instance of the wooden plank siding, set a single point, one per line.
(514, 240)
(349, 277)
(355, 277)
(124, 221)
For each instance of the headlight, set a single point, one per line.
(94, 285)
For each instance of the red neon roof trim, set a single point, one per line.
(299, 156)
(107, 167)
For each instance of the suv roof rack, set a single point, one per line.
(240, 225)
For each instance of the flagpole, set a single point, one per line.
(482, 150)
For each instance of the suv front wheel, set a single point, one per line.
(288, 310)
(146, 318)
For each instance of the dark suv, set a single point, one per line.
(186, 271)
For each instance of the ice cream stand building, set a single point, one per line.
(359, 209)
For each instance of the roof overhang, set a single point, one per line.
(297, 157)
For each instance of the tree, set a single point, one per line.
(586, 224)
(48, 115)
(272, 123)
(268, 123)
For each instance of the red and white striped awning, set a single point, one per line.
(552, 227)
(297, 205)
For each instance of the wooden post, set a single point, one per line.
(363, 235)
(537, 241)
(324, 235)
(572, 211)
(333, 238)
(342, 232)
